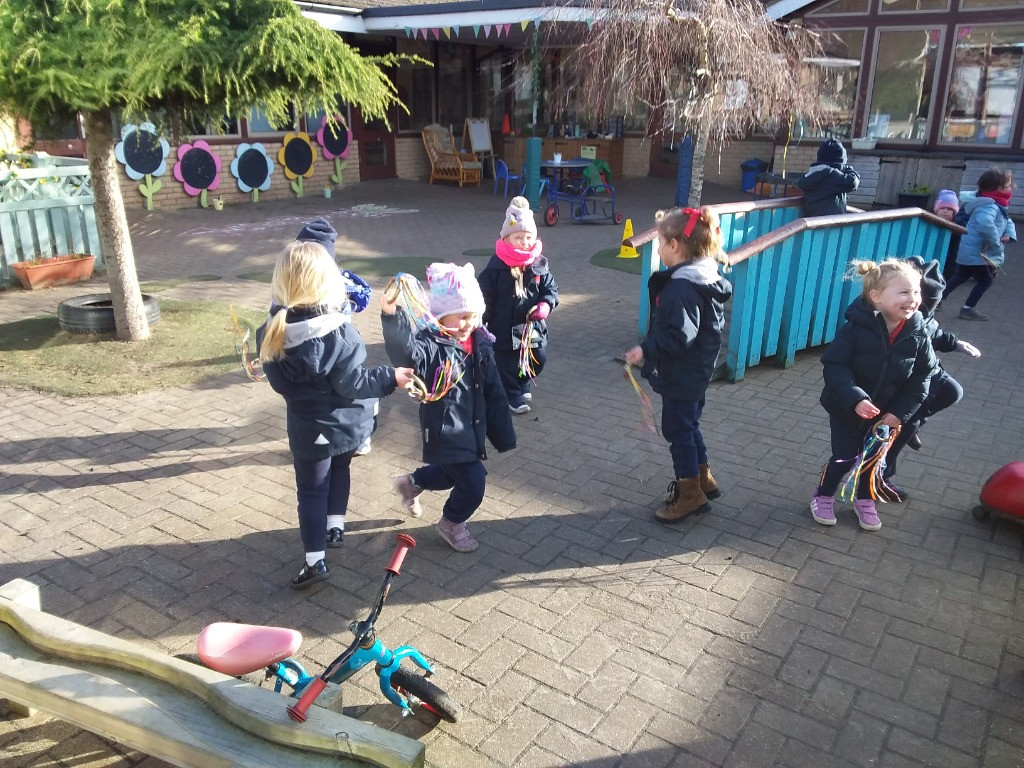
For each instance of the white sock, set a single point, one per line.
(335, 521)
(312, 558)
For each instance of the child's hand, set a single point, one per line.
(890, 421)
(635, 356)
(1004, 239)
(402, 375)
(540, 312)
(866, 409)
(388, 306)
(970, 349)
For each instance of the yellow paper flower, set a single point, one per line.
(297, 155)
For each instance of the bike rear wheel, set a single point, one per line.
(429, 695)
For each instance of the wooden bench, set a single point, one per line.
(180, 712)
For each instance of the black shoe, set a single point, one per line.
(899, 493)
(915, 441)
(334, 538)
(311, 574)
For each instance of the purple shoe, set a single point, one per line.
(457, 536)
(867, 514)
(823, 509)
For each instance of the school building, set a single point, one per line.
(929, 94)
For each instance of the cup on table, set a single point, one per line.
(557, 157)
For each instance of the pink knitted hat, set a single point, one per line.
(454, 290)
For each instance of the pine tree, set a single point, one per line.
(176, 60)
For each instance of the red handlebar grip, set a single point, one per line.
(297, 711)
(405, 543)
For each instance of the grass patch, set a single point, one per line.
(193, 341)
(382, 266)
(158, 286)
(479, 252)
(609, 258)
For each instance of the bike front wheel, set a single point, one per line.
(430, 697)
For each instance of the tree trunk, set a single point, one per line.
(700, 151)
(129, 313)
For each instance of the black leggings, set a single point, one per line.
(983, 276)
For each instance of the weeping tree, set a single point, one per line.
(712, 68)
(180, 62)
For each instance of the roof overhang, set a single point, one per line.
(390, 20)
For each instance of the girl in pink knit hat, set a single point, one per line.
(466, 404)
(519, 292)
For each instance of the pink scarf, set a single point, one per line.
(513, 257)
(1001, 196)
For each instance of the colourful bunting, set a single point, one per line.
(508, 28)
(456, 30)
(408, 31)
(487, 30)
(590, 24)
(447, 32)
(436, 32)
(476, 30)
(524, 25)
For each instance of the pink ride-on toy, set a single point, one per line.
(1003, 494)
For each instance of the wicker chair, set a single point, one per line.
(446, 162)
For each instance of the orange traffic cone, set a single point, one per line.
(506, 128)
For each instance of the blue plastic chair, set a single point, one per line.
(501, 171)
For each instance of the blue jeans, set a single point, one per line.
(322, 488)
(467, 481)
(680, 424)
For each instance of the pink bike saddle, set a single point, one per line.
(237, 649)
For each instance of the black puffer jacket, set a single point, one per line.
(825, 188)
(685, 332)
(328, 391)
(932, 285)
(505, 316)
(454, 427)
(860, 365)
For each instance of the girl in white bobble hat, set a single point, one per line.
(457, 417)
(519, 292)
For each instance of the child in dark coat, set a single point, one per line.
(876, 370)
(827, 182)
(519, 294)
(682, 344)
(943, 390)
(313, 357)
(453, 423)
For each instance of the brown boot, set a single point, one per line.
(707, 481)
(687, 499)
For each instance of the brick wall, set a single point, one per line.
(172, 193)
(636, 157)
(722, 164)
(411, 158)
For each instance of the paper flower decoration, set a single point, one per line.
(297, 156)
(252, 169)
(143, 153)
(198, 169)
(336, 139)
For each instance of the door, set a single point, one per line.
(376, 142)
(376, 145)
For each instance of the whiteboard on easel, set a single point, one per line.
(478, 131)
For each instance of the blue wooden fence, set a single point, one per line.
(788, 273)
(46, 210)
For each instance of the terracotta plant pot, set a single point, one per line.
(58, 270)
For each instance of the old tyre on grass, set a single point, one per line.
(94, 313)
(431, 698)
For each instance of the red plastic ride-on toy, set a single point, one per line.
(1003, 494)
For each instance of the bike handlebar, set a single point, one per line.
(297, 711)
(405, 543)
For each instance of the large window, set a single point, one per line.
(453, 67)
(984, 87)
(841, 6)
(415, 84)
(902, 83)
(489, 99)
(893, 6)
(836, 75)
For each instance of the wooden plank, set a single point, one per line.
(794, 322)
(743, 298)
(91, 234)
(259, 713)
(777, 302)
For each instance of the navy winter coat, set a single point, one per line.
(454, 427)
(328, 392)
(860, 365)
(685, 332)
(825, 188)
(505, 315)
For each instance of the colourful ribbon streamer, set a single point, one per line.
(869, 467)
(646, 408)
(250, 367)
(408, 291)
(446, 377)
(526, 356)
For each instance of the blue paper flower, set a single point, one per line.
(142, 151)
(252, 167)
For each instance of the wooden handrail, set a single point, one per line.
(742, 206)
(776, 236)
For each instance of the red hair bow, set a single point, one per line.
(694, 214)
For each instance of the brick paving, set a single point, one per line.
(582, 632)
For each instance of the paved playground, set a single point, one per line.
(582, 633)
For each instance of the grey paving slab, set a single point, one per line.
(581, 633)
